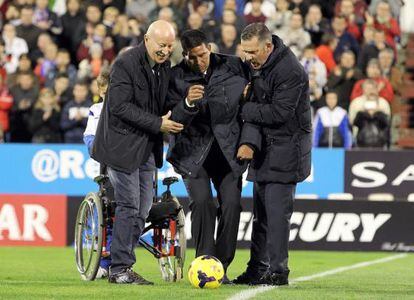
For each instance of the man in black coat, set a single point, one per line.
(129, 140)
(280, 105)
(210, 86)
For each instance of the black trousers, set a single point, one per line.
(272, 209)
(205, 210)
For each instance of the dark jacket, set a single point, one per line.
(216, 116)
(19, 118)
(372, 129)
(73, 129)
(343, 85)
(30, 34)
(51, 75)
(72, 26)
(130, 122)
(45, 131)
(280, 105)
(346, 42)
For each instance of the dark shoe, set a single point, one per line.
(274, 279)
(128, 276)
(226, 280)
(248, 277)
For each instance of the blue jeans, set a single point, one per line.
(133, 196)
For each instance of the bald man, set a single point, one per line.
(129, 140)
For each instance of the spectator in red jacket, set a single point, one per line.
(384, 86)
(6, 103)
(98, 35)
(384, 21)
(360, 7)
(325, 51)
(347, 9)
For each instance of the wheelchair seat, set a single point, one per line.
(163, 210)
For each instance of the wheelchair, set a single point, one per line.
(164, 234)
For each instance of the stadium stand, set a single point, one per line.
(57, 44)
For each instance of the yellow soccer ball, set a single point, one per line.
(206, 271)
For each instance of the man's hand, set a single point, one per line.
(169, 126)
(195, 92)
(245, 153)
(44, 25)
(24, 104)
(349, 74)
(47, 114)
(369, 19)
(108, 43)
(79, 116)
(246, 91)
(337, 71)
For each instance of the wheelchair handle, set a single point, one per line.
(169, 181)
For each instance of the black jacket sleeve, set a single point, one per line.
(281, 109)
(251, 135)
(180, 112)
(120, 93)
(35, 120)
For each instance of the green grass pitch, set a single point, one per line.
(50, 273)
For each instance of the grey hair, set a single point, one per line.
(258, 30)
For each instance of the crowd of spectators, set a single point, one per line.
(52, 51)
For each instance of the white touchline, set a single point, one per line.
(250, 293)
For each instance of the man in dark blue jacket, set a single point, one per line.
(75, 114)
(280, 106)
(129, 140)
(346, 41)
(210, 86)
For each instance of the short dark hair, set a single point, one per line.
(350, 52)
(93, 4)
(327, 38)
(24, 55)
(309, 47)
(373, 61)
(63, 50)
(62, 75)
(82, 82)
(23, 73)
(192, 38)
(258, 30)
(340, 17)
(27, 6)
(331, 91)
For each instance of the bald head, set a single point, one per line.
(160, 29)
(159, 40)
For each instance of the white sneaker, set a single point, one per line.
(102, 273)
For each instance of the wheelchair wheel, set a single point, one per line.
(88, 236)
(172, 266)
